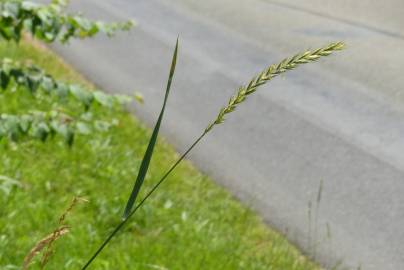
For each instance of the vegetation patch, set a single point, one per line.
(191, 223)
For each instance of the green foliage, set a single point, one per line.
(49, 22)
(43, 125)
(7, 184)
(192, 217)
(13, 75)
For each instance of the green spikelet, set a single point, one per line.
(271, 72)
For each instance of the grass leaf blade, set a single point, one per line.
(149, 151)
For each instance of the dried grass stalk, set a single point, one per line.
(74, 202)
(47, 242)
(43, 243)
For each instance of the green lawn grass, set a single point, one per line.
(190, 223)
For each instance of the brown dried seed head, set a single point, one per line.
(40, 245)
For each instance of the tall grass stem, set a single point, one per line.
(240, 96)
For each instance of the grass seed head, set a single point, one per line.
(47, 241)
(271, 72)
(44, 242)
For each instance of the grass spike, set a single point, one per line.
(271, 72)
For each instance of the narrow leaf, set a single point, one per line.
(149, 151)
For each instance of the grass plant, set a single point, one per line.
(191, 218)
(241, 95)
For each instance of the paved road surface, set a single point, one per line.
(340, 120)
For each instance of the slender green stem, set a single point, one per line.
(123, 222)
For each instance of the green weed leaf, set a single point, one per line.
(82, 95)
(49, 22)
(34, 78)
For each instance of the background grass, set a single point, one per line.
(190, 223)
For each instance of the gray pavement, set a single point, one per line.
(337, 121)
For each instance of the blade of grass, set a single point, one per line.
(242, 93)
(149, 151)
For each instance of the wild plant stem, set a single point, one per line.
(123, 222)
(242, 93)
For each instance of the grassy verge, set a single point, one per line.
(190, 223)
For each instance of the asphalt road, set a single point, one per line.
(338, 121)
